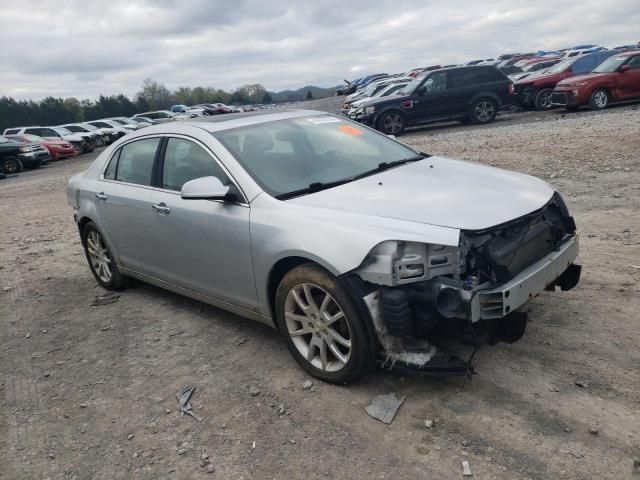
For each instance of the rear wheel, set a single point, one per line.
(100, 259)
(392, 123)
(321, 325)
(483, 111)
(599, 99)
(77, 148)
(11, 165)
(543, 99)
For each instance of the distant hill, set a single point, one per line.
(301, 93)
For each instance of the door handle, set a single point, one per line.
(161, 208)
(101, 196)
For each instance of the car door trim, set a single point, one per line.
(224, 305)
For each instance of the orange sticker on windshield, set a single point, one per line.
(349, 130)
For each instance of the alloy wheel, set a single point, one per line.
(601, 99)
(11, 165)
(484, 111)
(392, 123)
(545, 100)
(318, 327)
(99, 256)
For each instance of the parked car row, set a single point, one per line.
(585, 75)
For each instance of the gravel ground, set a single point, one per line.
(88, 392)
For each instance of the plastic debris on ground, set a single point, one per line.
(466, 469)
(105, 299)
(385, 407)
(183, 396)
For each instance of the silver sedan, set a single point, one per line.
(360, 250)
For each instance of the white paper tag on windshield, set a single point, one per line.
(321, 120)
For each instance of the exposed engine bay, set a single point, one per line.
(418, 293)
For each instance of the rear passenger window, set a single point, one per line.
(184, 161)
(487, 75)
(12, 132)
(634, 63)
(462, 78)
(135, 163)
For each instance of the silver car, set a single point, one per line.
(360, 250)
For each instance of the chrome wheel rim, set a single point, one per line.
(545, 100)
(484, 111)
(99, 256)
(318, 327)
(600, 98)
(392, 123)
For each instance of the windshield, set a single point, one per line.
(611, 64)
(562, 66)
(413, 84)
(117, 120)
(62, 131)
(290, 155)
(4, 139)
(87, 126)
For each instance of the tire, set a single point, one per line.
(483, 111)
(599, 99)
(77, 149)
(11, 165)
(34, 166)
(331, 324)
(392, 123)
(102, 262)
(542, 100)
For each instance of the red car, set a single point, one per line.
(58, 149)
(535, 90)
(617, 79)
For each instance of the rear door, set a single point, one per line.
(202, 245)
(462, 84)
(123, 203)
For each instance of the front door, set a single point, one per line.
(629, 81)
(428, 102)
(202, 245)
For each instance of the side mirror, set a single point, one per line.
(625, 68)
(204, 188)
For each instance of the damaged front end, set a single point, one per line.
(418, 294)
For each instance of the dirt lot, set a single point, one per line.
(89, 392)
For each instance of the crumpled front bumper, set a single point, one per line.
(500, 301)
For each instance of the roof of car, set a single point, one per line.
(232, 120)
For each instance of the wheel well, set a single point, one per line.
(277, 273)
(82, 223)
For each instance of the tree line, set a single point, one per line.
(152, 96)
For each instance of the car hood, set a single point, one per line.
(589, 77)
(438, 191)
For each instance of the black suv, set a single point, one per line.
(471, 93)
(15, 155)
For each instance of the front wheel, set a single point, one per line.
(392, 123)
(599, 99)
(483, 111)
(543, 99)
(321, 325)
(11, 165)
(100, 259)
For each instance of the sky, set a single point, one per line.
(84, 48)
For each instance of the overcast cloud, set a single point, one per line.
(86, 48)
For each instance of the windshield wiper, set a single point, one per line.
(387, 165)
(318, 186)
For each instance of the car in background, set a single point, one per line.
(582, 50)
(470, 93)
(115, 127)
(531, 67)
(79, 143)
(101, 139)
(16, 155)
(58, 149)
(159, 116)
(371, 91)
(237, 214)
(144, 121)
(215, 108)
(91, 139)
(357, 107)
(534, 91)
(193, 112)
(617, 79)
(126, 122)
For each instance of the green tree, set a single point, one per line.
(155, 94)
(184, 95)
(266, 98)
(309, 95)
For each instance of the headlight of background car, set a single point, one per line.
(25, 149)
(397, 262)
(370, 110)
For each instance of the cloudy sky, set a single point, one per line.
(87, 48)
